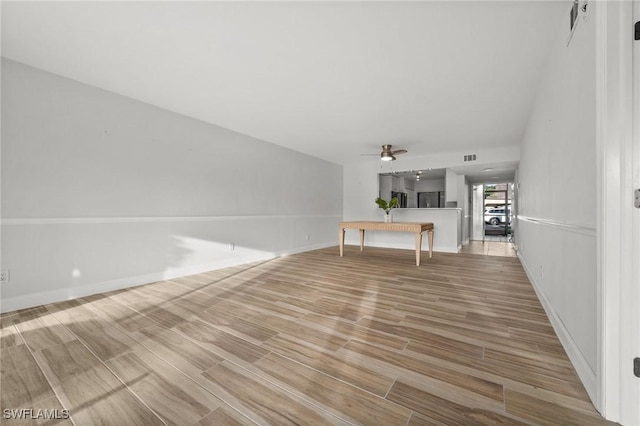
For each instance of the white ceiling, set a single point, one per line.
(330, 79)
(488, 172)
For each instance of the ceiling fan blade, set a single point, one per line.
(387, 153)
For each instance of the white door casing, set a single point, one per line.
(633, 329)
(618, 234)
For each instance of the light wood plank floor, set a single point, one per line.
(490, 248)
(306, 339)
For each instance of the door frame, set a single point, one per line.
(508, 208)
(618, 223)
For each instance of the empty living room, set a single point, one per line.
(320, 212)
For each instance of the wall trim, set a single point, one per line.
(573, 227)
(585, 371)
(150, 219)
(68, 293)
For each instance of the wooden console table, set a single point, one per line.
(417, 228)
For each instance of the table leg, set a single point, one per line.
(362, 240)
(418, 247)
(430, 238)
(341, 240)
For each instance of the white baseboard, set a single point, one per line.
(68, 293)
(585, 372)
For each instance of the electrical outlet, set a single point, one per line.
(306, 237)
(232, 246)
(541, 272)
(4, 276)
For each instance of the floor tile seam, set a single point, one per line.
(200, 289)
(150, 349)
(171, 364)
(291, 390)
(298, 340)
(500, 410)
(209, 391)
(238, 334)
(407, 374)
(392, 379)
(386, 395)
(448, 365)
(328, 330)
(294, 395)
(124, 384)
(194, 381)
(16, 333)
(42, 371)
(485, 374)
(228, 406)
(114, 323)
(579, 406)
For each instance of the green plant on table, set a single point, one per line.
(387, 207)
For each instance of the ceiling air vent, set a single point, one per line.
(470, 157)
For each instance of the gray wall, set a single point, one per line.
(100, 191)
(556, 200)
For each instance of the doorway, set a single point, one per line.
(498, 212)
(492, 230)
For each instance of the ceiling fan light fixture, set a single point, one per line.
(387, 156)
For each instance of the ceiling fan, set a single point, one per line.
(388, 154)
